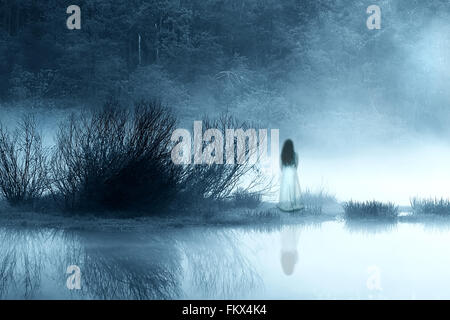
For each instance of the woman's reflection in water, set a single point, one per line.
(289, 255)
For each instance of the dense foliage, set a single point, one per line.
(281, 59)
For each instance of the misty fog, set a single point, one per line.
(367, 110)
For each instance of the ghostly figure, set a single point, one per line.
(289, 255)
(290, 196)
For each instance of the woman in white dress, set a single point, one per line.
(290, 196)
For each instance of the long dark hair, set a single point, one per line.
(287, 153)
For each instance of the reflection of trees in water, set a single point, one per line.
(21, 261)
(431, 223)
(123, 265)
(218, 263)
(216, 266)
(113, 265)
(371, 226)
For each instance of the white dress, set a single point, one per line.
(290, 196)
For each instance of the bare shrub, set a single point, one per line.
(120, 159)
(23, 163)
(219, 181)
(115, 158)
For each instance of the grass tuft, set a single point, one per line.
(431, 206)
(315, 201)
(370, 209)
(242, 198)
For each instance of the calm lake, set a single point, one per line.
(322, 260)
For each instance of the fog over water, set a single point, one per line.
(350, 162)
(367, 109)
(386, 172)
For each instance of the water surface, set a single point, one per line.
(323, 260)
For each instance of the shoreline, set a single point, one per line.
(264, 216)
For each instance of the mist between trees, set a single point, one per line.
(118, 159)
(309, 63)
